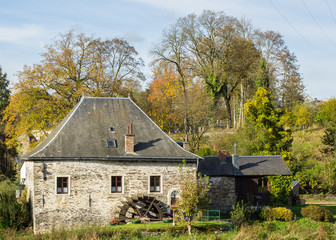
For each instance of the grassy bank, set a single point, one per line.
(299, 229)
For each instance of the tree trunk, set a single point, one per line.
(228, 110)
(241, 108)
(189, 227)
(234, 112)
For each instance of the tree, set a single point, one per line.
(263, 77)
(164, 97)
(192, 195)
(7, 156)
(73, 66)
(211, 48)
(326, 113)
(7, 164)
(291, 86)
(168, 102)
(4, 91)
(303, 115)
(285, 82)
(329, 142)
(171, 51)
(263, 127)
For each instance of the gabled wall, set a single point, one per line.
(91, 180)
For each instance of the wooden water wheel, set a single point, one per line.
(141, 207)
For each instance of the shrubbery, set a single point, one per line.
(278, 213)
(13, 213)
(241, 214)
(317, 213)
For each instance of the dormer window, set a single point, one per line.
(111, 143)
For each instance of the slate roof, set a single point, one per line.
(248, 166)
(84, 132)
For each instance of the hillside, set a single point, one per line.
(305, 147)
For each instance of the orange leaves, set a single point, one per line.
(164, 97)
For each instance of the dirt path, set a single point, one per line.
(322, 202)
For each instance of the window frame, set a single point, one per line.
(111, 143)
(155, 185)
(122, 184)
(68, 185)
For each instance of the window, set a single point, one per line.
(155, 184)
(62, 185)
(116, 184)
(111, 143)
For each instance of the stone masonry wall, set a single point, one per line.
(222, 193)
(29, 182)
(92, 180)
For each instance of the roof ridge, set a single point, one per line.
(121, 98)
(263, 156)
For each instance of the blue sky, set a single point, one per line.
(308, 27)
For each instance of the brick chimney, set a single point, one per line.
(129, 139)
(186, 144)
(222, 156)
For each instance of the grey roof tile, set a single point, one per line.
(84, 132)
(248, 166)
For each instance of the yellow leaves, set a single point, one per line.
(165, 96)
(73, 66)
(30, 110)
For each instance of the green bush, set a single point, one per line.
(13, 214)
(237, 214)
(205, 151)
(317, 213)
(241, 214)
(280, 189)
(278, 213)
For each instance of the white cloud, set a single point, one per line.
(133, 37)
(20, 34)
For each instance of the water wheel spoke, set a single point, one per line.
(135, 209)
(140, 206)
(150, 205)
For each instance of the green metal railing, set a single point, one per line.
(210, 215)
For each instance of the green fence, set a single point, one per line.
(210, 215)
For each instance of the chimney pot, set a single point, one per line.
(186, 144)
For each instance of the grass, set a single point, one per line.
(125, 231)
(297, 209)
(201, 226)
(302, 228)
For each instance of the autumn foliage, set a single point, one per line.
(164, 97)
(73, 66)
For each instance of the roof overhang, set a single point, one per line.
(114, 158)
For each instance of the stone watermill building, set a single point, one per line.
(108, 159)
(105, 159)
